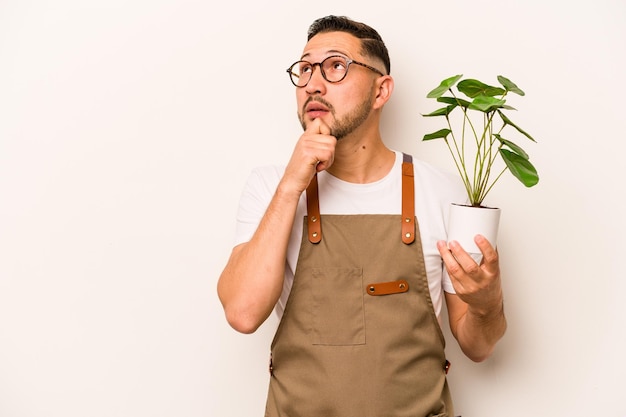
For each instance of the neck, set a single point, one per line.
(361, 160)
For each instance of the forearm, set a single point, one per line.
(479, 329)
(252, 280)
(476, 311)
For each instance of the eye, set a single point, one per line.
(304, 67)
(336, 64)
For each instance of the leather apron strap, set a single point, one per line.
(408, 200)
(314, 221)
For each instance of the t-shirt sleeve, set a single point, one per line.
(255, 197)
(446, 283)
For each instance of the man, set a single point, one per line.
(346, 244)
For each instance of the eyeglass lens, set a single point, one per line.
(333, 68)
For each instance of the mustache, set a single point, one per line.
(320, 100)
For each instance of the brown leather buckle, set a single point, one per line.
(386, 288)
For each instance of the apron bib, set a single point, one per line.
(359, 336)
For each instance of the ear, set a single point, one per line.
(384, 88)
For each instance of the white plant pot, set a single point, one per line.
(465, 222)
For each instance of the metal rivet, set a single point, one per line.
(408, 220)
(402, 286)
(372, 289)
(313, 219)
(408, 235)
(314, 234)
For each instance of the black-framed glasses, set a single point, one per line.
(333, 69)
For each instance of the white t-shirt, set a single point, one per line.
(434, 191)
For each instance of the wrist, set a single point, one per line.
(487, 311)
(289, 190)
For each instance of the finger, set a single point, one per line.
(324, 129)
(444, 251)
(455, 272)
(318, 126)
(464, 259)
(322, 144)
(483, 244)
(448, 258)
(324, 165)
(326, 160)
(490, 254)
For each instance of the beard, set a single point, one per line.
(346, 125)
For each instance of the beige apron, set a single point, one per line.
(359, 336)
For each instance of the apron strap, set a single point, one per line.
(313, 211)
(314, 220)
(408, 200)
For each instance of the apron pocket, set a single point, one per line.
(337, 314)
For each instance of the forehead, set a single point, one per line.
(328, 43)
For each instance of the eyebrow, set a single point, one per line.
(330, 51)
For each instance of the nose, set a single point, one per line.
(317, 82)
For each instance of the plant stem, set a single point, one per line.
(458, 158)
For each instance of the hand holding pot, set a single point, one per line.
(478, 285)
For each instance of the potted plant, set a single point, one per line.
(474, 131)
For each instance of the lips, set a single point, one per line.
(315, 108)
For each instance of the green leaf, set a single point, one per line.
(512, 146)
(443, 133)
(520, 167)
(508, 121)
(444, 111)
(474, 88)
(454, 100)
(486, 103)
(444, 86)
(510, 85)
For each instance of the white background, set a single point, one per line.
(128, 128)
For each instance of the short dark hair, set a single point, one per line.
(371, 42)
